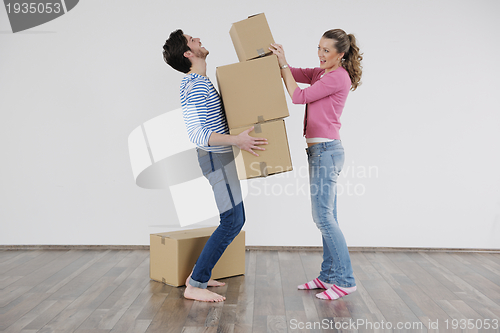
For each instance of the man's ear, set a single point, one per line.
(188, 54)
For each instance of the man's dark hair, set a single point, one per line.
(173, 51)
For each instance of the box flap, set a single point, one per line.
(188, 233)
(255, 15)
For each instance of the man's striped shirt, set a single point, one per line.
(202, 112)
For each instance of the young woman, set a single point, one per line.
(339, 71)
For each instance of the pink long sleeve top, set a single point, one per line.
(324, 99)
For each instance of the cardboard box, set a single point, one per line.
(251, 37)
(173, 255)
(275, 159)
(252, 91)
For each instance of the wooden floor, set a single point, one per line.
(110, 291)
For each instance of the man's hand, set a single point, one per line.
(247, 142)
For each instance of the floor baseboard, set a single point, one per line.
(249, 248)
(370, 249)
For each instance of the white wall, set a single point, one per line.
(425, 120)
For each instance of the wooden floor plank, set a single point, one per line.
(419, 289)
(409, 265)
(390, 304)
(493, 257)
(129, 284)
(70, 272)
(34, 281)
(443, 270)
(487, 271)
(141, 312)
(21, 323)
(38, 262)
(32, 272)
(199, 312)
(268, 290)
(311, 263)
(8, 255)
(39, 277)
(465, 310)
(245, 306)
(486, 261)
(192, 329)
(397, 279)
(58, 280)
(296, 301)
(475, 276)
(172, 315)
(110, 291)
(90, 288)
(13, 262)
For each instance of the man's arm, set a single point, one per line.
(195, 118)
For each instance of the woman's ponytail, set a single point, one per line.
(352, 62)
(352, 57)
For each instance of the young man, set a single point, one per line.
(207, 127)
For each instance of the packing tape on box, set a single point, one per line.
(261, 52)
(260, 119)
(263, 169)
(257, 128)
(163, 241)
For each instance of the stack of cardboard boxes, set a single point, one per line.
(253, 95)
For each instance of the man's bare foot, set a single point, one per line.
(202, 295)
(210, 283)
(213, 283)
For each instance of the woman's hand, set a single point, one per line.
(278, 50)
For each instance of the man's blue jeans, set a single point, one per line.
(220, 170)
(326, 160)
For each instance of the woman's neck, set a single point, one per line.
(331, 69)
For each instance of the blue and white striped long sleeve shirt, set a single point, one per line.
(202, 112)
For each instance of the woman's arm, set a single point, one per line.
(290, 82)
(320, 89)
(286, 73)
(302, 75)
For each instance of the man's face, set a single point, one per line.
(195, 46)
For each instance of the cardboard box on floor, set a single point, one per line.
(275, 159)
(173, 255)
(251, 37)
(252, 91)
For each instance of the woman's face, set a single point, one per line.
(329, 58)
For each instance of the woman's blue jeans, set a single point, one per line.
(326, 160)
(220, 170)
